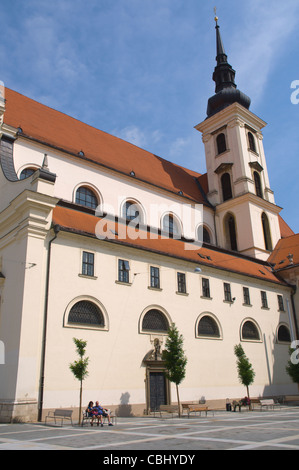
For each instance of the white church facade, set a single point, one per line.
(103, 241)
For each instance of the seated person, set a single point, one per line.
(102, 412)
(89, 409)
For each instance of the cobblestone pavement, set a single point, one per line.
(264, 430)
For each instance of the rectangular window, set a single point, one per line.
(246, 296)
(205, 287)
(227, 292)
(280, 303)
(155, 277)
(181, 283)
(123, 270)
(88, 264)
(264, 299)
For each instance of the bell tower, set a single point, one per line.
(239, 187)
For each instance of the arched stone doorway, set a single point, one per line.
(157, 386)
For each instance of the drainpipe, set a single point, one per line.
(294, 311)
(44, 337)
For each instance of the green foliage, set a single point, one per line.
(293, 366)
(79, 368)
(174, 356)
(245, 370)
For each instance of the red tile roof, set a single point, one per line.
(61, 131)
(285, 247)
(285, 230)
(85, 224)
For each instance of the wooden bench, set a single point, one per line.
(172, 409)
(291, 399)
(193, 408)
(239, 404)
(268, 403)
(60, 415)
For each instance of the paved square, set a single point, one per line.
(264, 430)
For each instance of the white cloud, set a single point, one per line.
(264, 32)
(138, 137)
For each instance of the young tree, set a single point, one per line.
(175, 359)
(245, 370)
(79, 368)
(292, 367)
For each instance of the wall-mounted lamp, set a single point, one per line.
(197, 270)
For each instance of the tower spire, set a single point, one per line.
(226, 91)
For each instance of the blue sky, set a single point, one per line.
(142, 70)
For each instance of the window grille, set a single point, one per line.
(154, 320)
(207, 326)
(86, 313)
(250, 331)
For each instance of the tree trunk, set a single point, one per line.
(179, 405)
(248, 397)
(80, 402)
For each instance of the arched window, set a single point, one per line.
(26, 173)
(86, 197)
(231, 233)
(267, 232)
(226, 187)
(221, 143)
(206, 235)
(154, 320)
(250, 331)
(207, 326)
(251, 142)
(258, 185)
(132, 212)
(85, 312)
(203, 234)
(283, 334)
(171, 226)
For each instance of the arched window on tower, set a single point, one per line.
(226, 187)
(267, 232)
(258, 184)
(221, 143)
(231, 233)
(251, 142)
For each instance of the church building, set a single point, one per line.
(106, 242)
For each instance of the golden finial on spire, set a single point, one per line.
(216, 17)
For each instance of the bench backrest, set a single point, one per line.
(169, 408)
(64, 413)
(268, 401)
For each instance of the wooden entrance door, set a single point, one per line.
(158, 396)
